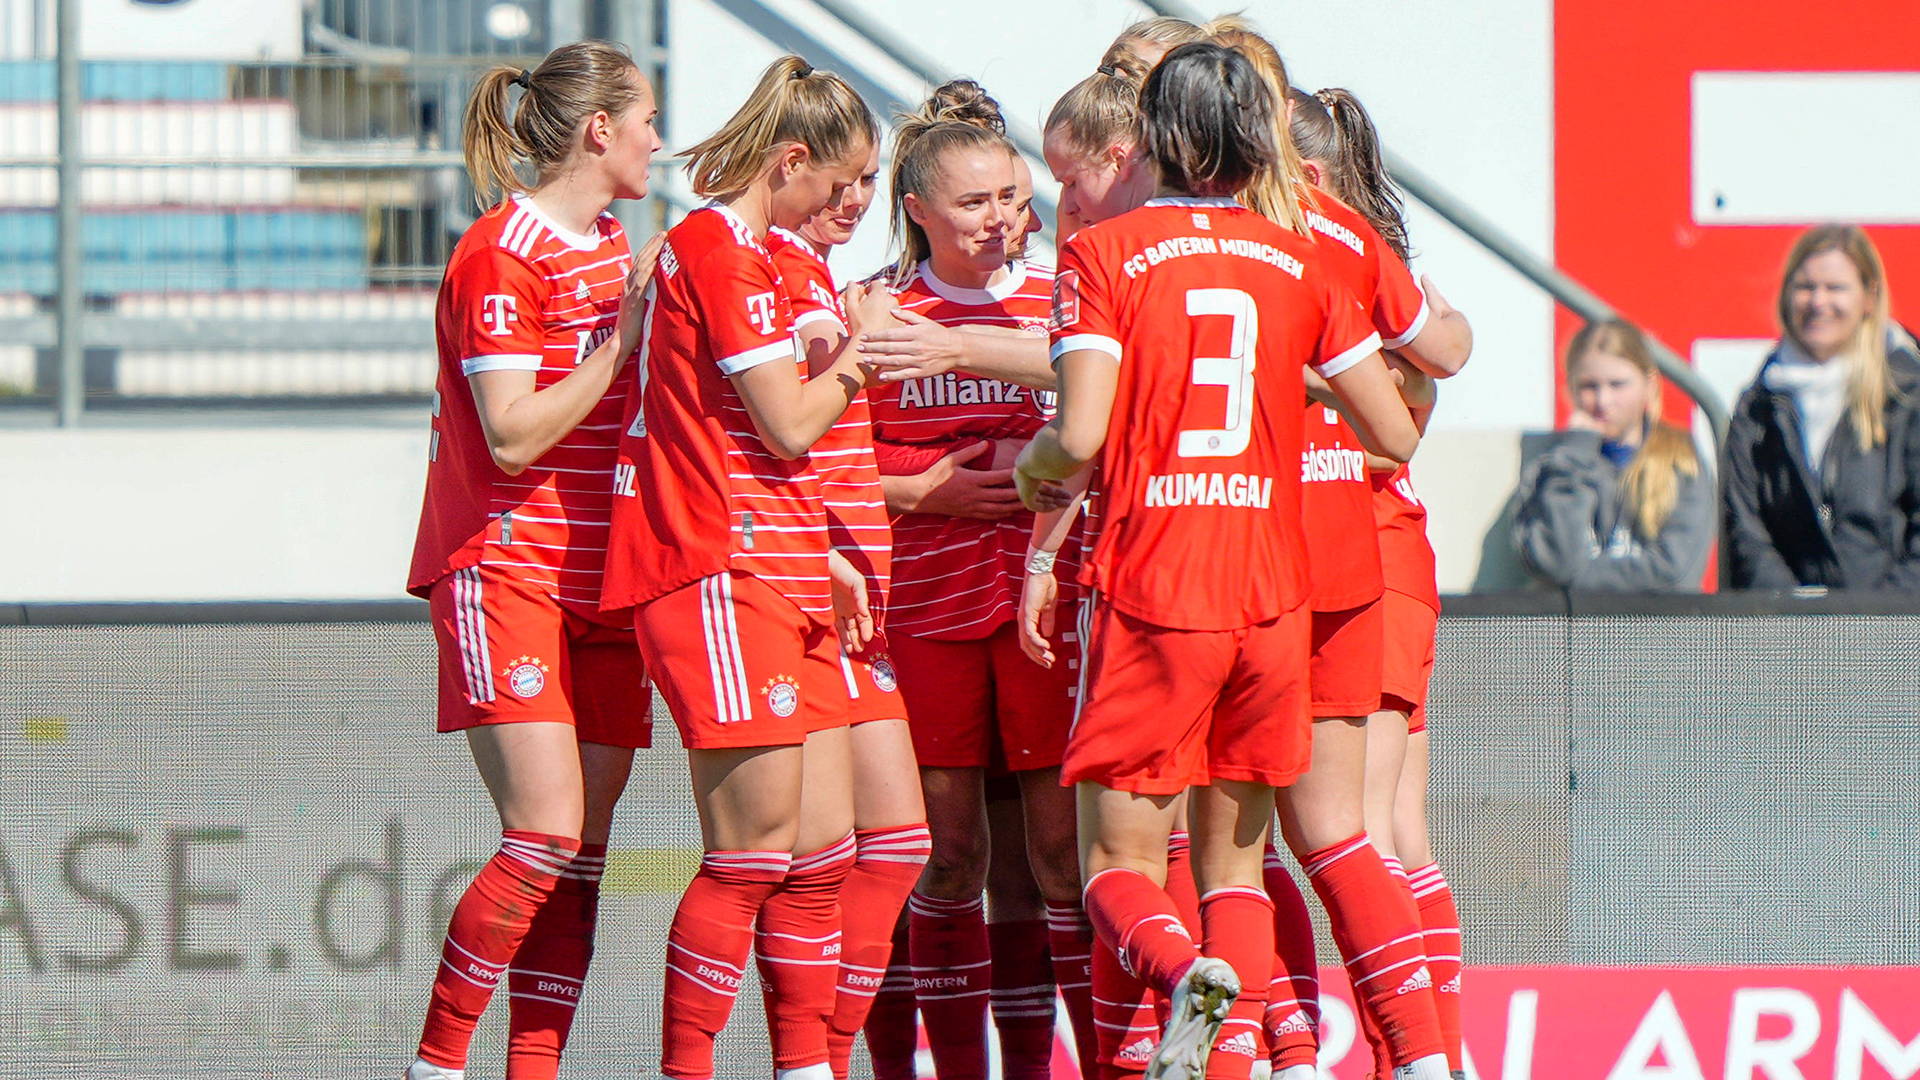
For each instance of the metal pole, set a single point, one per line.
(73, 387)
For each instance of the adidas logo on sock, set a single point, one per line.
(1451, 986)
(1296, 1022)
(1421, 979)
(1243, 1043)
(1140, 1051)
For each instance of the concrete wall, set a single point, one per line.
(321, 513)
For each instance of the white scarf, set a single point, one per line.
(1819, 393)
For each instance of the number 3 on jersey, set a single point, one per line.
(1234, 371)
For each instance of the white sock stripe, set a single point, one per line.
(1414, 961)
(1137, 927)
(931, 996)
(1246, 891)
(1074, 985)
(763, 934)
(574, 979)
(861, 967)
(676, 946)
(917, 969)
(792, 962)
(1020, 1014)
(702, 983)
(855, 991)
(1110, 1026)
(480, 960)
(1359, 843)
(568, 1002)
(1416, 936)
(927, 905)
(840, 851)
(1013, 991)
(915, 860)
(1097, 877)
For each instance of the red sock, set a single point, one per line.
(544, 983)
(1137, 919)
(1293, 999)
(950, 982)
(1238, 920)
(486, 930)
(707, 951)
(1022, 997)
(887, 865)
(1378, 931)
(1123, 1017)
(797, 942)
(1070, 940)
(893, 1033)
(1440, 926)
(1180, 884)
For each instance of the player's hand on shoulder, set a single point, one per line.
(633, 299)
(911, 346)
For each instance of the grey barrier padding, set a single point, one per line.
(231, 849)
(236, 612)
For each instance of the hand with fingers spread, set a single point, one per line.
(633, 301)
(956, 489)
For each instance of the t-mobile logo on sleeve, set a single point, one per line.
(497, 310)
(760, 311)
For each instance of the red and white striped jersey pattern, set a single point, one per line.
(696, 492)
(523, 293)
(843, 458)
(958, 579)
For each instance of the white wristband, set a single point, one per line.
(1040, 562)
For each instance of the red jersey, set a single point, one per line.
(522, 293)
(843, 458)
(696, 492)
(1210, 310)
(959, 579)
(1406, 555)
(1337, 497)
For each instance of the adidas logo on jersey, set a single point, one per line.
(1140, 1051)
(1243, 1043)
(580, 290)
(1421, 979)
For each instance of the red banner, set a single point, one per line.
(1568, 1023)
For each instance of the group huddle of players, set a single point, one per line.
(1014, 619)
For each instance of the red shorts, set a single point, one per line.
(873, 686)
(510, 654)
(739, 665)
(1168, 709)
(963, 695)
(1407, 657)
(1345, 670)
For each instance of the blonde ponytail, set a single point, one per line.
(1650, 484)
(1275, 192)
(792, 103)
(571, 84)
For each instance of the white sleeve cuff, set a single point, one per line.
(473, 365)
(752, 358)
(1329, 368)
(1075, 342)
(818, 315)
(1412, 331)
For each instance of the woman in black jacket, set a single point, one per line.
(1822, 478)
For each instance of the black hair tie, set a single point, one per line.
(802, 71)
(524, 80)
(1108, 70)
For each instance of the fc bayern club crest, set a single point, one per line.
(783, 695)
(883, 677)
(526, 677)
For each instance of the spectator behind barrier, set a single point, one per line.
(1822, 478)
(1619, 501)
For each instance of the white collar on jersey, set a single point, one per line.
(992, 294)
(802, 242)
(1193, 200)
(574, 240)
(740, 226)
